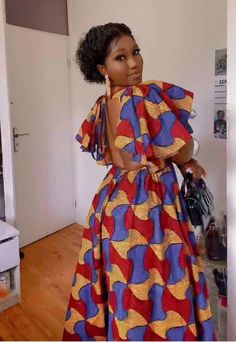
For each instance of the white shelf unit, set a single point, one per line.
(10, 261)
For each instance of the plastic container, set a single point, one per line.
(5, 284)
(213, 242)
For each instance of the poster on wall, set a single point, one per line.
(220, 120)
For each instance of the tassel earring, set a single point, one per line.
(108, 86)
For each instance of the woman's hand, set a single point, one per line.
(197, 170)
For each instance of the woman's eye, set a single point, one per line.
(136, 51)
(120, 58)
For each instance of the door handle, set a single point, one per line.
(16, 135)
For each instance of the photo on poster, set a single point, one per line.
(220, 124)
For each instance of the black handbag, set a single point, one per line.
(199, 200)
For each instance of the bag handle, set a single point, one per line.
(187, 183)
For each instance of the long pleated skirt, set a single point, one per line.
(139, 275)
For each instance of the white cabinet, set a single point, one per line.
(10, 261)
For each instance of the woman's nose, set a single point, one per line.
(132, 63)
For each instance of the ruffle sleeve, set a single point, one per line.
(91, 134)
(154, 120)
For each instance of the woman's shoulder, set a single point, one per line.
(141, 89)
(152, 88)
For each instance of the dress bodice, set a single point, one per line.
(139, 125)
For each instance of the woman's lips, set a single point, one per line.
(136, 77)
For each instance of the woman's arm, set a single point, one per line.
(183, 159)
(184, 155)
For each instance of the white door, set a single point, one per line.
(43, 166)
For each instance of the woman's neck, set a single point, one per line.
(114, 89)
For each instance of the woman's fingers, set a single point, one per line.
(198, 171)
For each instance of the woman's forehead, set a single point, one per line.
(122, 43)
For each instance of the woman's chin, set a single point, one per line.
(135, 81)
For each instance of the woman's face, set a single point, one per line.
(124, 64)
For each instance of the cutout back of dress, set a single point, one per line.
(119, 157)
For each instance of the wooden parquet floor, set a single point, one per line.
(46, 277)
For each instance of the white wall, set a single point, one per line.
(231, 169)
(178, 41)
(7, 148)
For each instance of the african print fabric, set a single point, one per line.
(139, 276)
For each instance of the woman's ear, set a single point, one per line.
(102, 69)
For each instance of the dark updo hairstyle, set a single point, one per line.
(95, 47)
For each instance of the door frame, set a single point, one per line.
(6, 127)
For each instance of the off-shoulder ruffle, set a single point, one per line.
(153, 122)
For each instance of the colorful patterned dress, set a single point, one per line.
(139, 276)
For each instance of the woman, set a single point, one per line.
(138, 275)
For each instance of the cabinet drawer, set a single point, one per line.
(9, 254)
